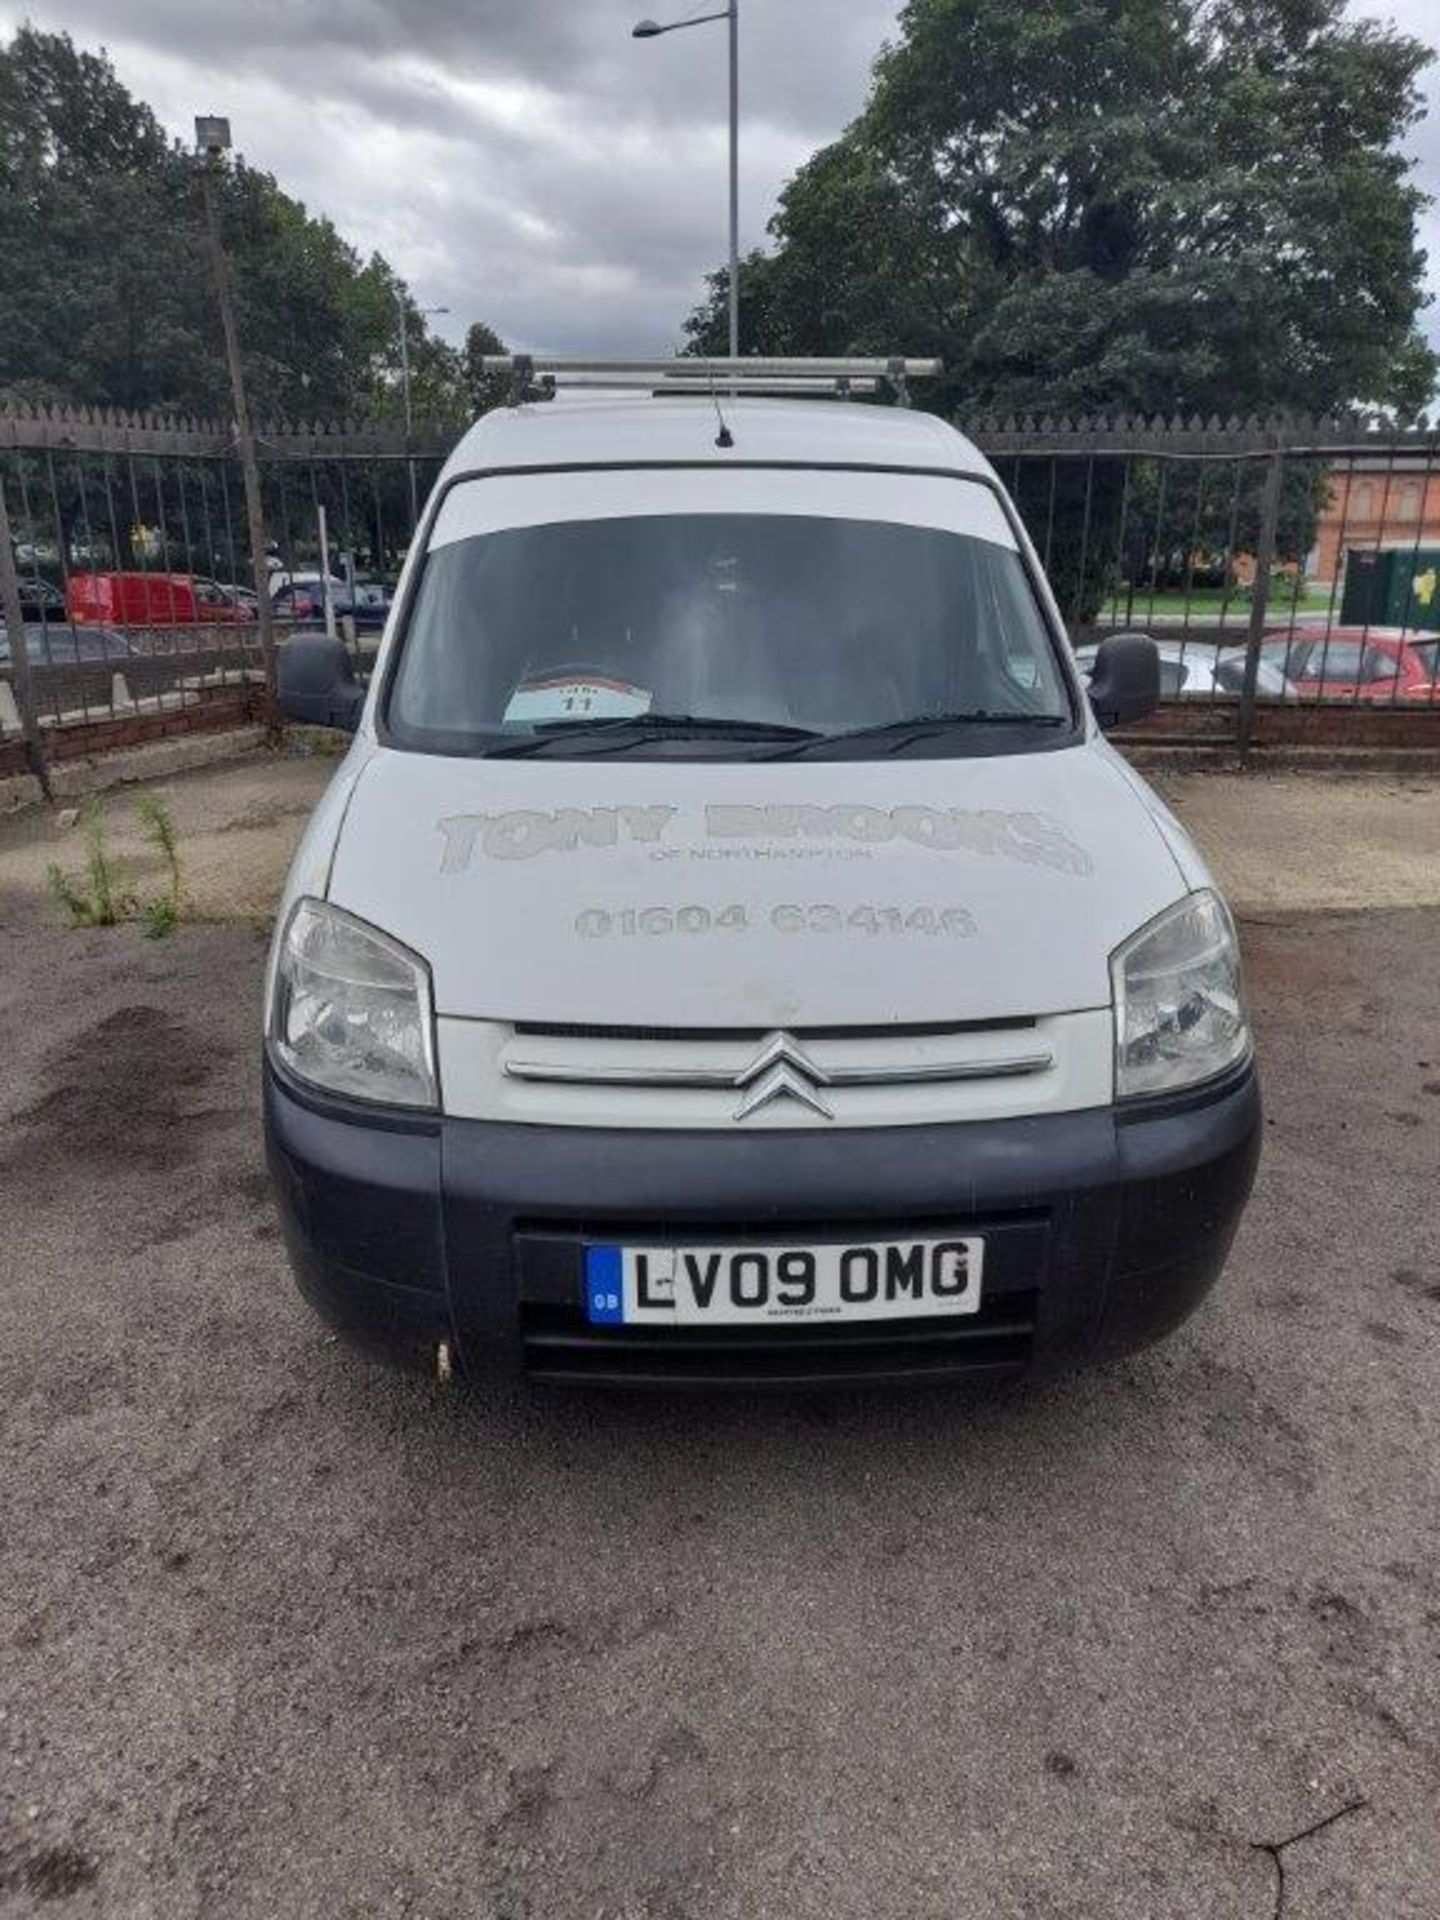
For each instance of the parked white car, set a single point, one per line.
(1202, 670)
(730, 950)
(281, 577)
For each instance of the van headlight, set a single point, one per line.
(351, 1009)
(1179, 1018)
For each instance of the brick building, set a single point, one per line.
(1375, 503)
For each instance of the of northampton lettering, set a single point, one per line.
(1035, 839)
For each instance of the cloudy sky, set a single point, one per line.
(526, 161)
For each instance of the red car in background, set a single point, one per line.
(151, 600)
(1357, 663)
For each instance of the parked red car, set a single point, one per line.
(151, 600)
(1357, 663)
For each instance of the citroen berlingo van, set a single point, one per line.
(731, 951)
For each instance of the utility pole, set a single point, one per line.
(14, 621)
(405, 395)
(404, 314)
(212, 138)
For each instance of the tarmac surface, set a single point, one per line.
(285, 1634)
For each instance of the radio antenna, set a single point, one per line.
(724, 438)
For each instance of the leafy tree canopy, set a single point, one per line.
(105, 290)
(486, 390)
(1114, 205)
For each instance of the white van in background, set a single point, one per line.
(731, 951)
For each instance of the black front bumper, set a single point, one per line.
(1103, 1230)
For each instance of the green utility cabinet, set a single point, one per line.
(1391, 587)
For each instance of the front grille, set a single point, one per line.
(756, 1036)
(560, 1345)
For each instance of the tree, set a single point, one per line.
(1114, 205)
(105, 293)
(486, 390)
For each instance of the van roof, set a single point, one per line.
(640, 427)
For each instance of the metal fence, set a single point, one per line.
(1285, 568)
(1288, 570)
(131, 565)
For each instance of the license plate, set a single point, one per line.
(758, 1286)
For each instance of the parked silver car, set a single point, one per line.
(57, 646)
(1204, 670)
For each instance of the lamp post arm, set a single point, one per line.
(653, 31)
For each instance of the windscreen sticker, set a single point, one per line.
(763, 832)
(569, 696)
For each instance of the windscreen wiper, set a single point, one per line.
(917, 726)
(624, 731)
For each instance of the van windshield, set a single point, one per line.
(763, 624)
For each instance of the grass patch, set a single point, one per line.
(1211, 603)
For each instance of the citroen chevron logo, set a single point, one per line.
(782, 1071)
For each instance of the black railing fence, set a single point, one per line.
(1278, 564)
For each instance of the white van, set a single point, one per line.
(730, 951)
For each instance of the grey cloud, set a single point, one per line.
(529, 164)
(805, 63)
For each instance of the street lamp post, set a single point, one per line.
(651, 30)
(212, 138)
(404, 313)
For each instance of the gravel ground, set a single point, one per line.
(282, 1633)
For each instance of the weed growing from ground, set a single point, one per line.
(95, 898)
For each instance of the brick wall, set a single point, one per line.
(215, 712)
(1291, 724)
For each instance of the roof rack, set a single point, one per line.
(539, 377)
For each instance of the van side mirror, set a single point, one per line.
(1125, 683)
(318, 687)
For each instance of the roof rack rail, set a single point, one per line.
(539, 376)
